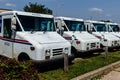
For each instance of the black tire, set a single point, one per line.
(23, 57)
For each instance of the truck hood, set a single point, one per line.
(82, 35)
(85, 35)
(117, 34)
(42, 38)
(106, 35)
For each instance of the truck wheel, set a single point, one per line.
(73, 52)
(70, 60)
(23, 57)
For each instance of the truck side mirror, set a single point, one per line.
(62, 23)
(90, 31)
(14, 22)
(74, 37)
(62, 31)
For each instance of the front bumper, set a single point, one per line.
(51, 61)
(92, 50)
(113, 47)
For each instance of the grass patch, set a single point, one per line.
(80, 67)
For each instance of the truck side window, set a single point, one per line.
(93, 30)
(88, 28)
(18, 28)
(7, 28)
(56, 24)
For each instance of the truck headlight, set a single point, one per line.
(47, 52)
(66, 50)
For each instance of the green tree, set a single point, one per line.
(37, 8)
(105, 20)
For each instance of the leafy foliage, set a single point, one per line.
(14, 70)
(105, 20)
(37, 8)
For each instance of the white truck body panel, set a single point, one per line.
(45, 43)
(87, 41)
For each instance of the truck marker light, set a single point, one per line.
(97, 46)
(77, 42)
(32, 48)
(66, 50)
(47, 52)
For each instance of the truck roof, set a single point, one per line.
(26, 13)
(68, 18)
(91, 21)
(110, 23)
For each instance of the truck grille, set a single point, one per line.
(115, 42)
(57, 51)
(93, 45)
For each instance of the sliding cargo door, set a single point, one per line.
(7, 37)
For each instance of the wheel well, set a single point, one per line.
(73, 48)
(101, 46)
(73, 51)
(23, 57)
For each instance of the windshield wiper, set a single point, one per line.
(80, 30)
(44, 30)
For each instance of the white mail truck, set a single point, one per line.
(100, 30)
(31, 36)
(75, 32)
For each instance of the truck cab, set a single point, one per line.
(75, 32)
(31, 36)
(113, 28)
(100, 30)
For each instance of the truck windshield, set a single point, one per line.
(100, 27)
(75, 25)
(115, 28)
(30, 23)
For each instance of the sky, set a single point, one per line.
(84, 9)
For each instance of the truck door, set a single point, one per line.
(7, 37)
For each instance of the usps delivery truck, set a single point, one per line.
(75, 32)
(100, 30)
(31, 36)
